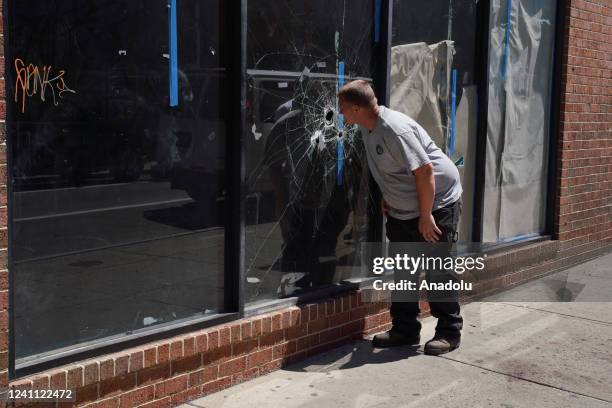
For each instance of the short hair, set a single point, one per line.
(358, 92)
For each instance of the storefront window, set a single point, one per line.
(433, 81)
(117, 135)
(520, 85)
(308, 193)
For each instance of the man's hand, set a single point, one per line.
(428, 228)
(384, 207)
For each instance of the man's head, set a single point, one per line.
(357, 103)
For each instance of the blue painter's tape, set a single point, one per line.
(451, 144)
(340, 162)
(340, 126)
(173, 52)
(506, 51)
(377, 12)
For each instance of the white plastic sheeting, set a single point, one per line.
(420, 83)
(520, 71)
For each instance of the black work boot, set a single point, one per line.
(442, 343)
(393, 338)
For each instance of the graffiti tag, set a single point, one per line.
(33, 80)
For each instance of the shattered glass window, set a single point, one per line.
(308, 193)
(433, 81)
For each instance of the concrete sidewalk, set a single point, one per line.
(512, 355)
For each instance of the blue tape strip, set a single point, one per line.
(377, 12)
(173, 53)
(506, 51)
(451, 147)
(340, 162)
(340, 127)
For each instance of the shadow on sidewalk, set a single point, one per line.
(353, 355)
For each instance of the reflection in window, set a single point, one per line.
(308, 192)
(432, 80)
(117, 195)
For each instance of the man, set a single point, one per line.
(422, 200)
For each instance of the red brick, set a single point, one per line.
(330, 335)
(271, 339)
(160, 403)
(260, 357)
(225, 336)
(201, 343)
(235, 333)
(91, 372)
(122, 365)
(136, 361)
(117, 385)
(256, 328)
(245, 375)
(176, 350)
(218, 355)
(318, 325)
(88, 393)
(137, 397)
(74, 378)
(284, 349)
(339, 319)
(153, 374)
(276, 322)
(106, 403)
(266, 324)
(171, 386)
(187, 395)
(307, 342)
(57, 380)
(269, 367)
(163, 353)
(107, 368)
(216, 385)
(246, 330)
(232, 366)
(150, 357)
(186, 364)
(213, 339)
(204, 375)
(296, 331)
(189, 346)
(244, 347)
(42, 382)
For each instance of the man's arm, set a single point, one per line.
(426, 189)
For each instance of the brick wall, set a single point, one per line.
(584, 210)
(173, 371)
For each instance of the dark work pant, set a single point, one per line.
(444, 305)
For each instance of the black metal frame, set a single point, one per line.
(481, 78)
(555, 120)
(10, 111)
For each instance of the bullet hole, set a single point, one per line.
(329, 117)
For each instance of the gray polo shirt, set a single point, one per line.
(396, 147)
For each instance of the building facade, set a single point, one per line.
(183, 208)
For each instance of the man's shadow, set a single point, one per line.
(353, 355)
